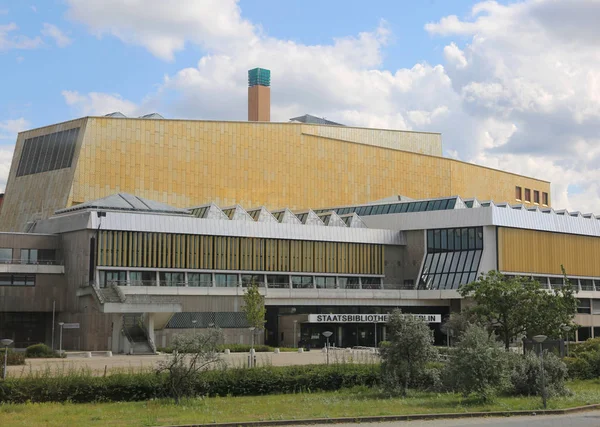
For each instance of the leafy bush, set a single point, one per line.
(591, 345)
(479, 365)
(13, 359)
(83, 387)
(585, 365)
(40, 351)
(526, 374)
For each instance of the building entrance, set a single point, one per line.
(344, 335)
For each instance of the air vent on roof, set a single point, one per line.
(151, 116)
(116, 115)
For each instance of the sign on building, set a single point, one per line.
(367, 318)
(71, 326)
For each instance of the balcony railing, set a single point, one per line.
(31, 262)
(298, 287)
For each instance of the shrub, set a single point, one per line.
(579, 368)
(479, 365)
(83, 387)
(591, 345)
(13, 358)
(39, 351)
(526, 374)
(410, 348)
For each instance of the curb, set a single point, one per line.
(384, 418)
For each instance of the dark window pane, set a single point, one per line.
(444, 236)
(443, 204)
(465, 238)
(6, 255)
(404, 207)
(437, 243)
(429, 240)
(479, 238)
(450, 239)
(451, 204)
(457, 239)
(386, 209)
(471, 238)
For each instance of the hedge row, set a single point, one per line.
(238, 348)
(82, 388)
(13, 359)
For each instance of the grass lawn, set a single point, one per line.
(345, 403)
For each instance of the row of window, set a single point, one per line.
(17, 280)
(454, 239)
(48, 152)
(430, 205)
(588, 306)
(28, 256)
(558, 282)
(226, 280)
(526, 196)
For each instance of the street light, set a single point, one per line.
(5, 342)
(60, 337)
(295, 337)
(540, 339)
(327, 334)
(194, 323)
(566, 328)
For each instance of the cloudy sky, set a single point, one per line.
(512, 85)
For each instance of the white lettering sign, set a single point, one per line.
(367, 318)
(71, 326)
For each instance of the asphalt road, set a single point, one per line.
(584, 419)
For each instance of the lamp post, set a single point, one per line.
(375, 323)
(567, 329)
(295, 336)
(327, 334)
(5, 342)
(60, 337)
(194, 323)
(540, 339)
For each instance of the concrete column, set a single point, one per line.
(117, 338)
(339, 336)
(149, 324)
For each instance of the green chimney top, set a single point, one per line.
(259, 76)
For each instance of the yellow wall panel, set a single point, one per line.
(538, 252)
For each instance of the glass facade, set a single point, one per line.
(171, 279)
(17, 280)
(6, 255)
(142, 278)
(226, 280)
(453, 257)
(399, 207)
(325, 282)
(48, 152)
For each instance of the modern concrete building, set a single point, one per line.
(133, 272)
(130, 230)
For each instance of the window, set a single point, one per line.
(370, 282)
(545, 199)
(200, 279)
(584, 306)
(6, 255)
(348, 283)
(142, 278)
(278, 281)
(38, 256)
(17, 280)
(302, 282)
(226, 280)
(536, 197)
(596, 306)
(108, 278)
(171, 279)
(325, 282)
(48, 152)
(518, 193)
(586, 284)
(528, 195)
(249, 279)
(556, 282)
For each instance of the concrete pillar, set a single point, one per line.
(117, 337)
(339, 336)
(149, 325)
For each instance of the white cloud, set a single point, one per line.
(98, 104)
(8, 40)
(523, 94)
(52, 31)
(11, 127)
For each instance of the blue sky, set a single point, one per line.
(512, 85)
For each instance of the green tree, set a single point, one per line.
(254, 307)
(479, 364)
(409, 348)
(513, 306)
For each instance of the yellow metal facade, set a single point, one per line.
(161, 250)
(188, 163)
(539, 252)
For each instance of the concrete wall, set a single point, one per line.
(403, 262)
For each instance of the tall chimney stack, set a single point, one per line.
(259, 95)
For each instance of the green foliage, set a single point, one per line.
(13, 359)
(40, 351)
(479, 365)
(526, 378)
(84, 387)
(513, 306)
(245, 348)
(191, 355)
(587, 346)
(409, 350)
(254, 307)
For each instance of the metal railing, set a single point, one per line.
(31, 262)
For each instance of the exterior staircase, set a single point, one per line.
(136, 334)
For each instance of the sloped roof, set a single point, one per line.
(314, 120)
(126, 202)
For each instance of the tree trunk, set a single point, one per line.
(506, 341)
